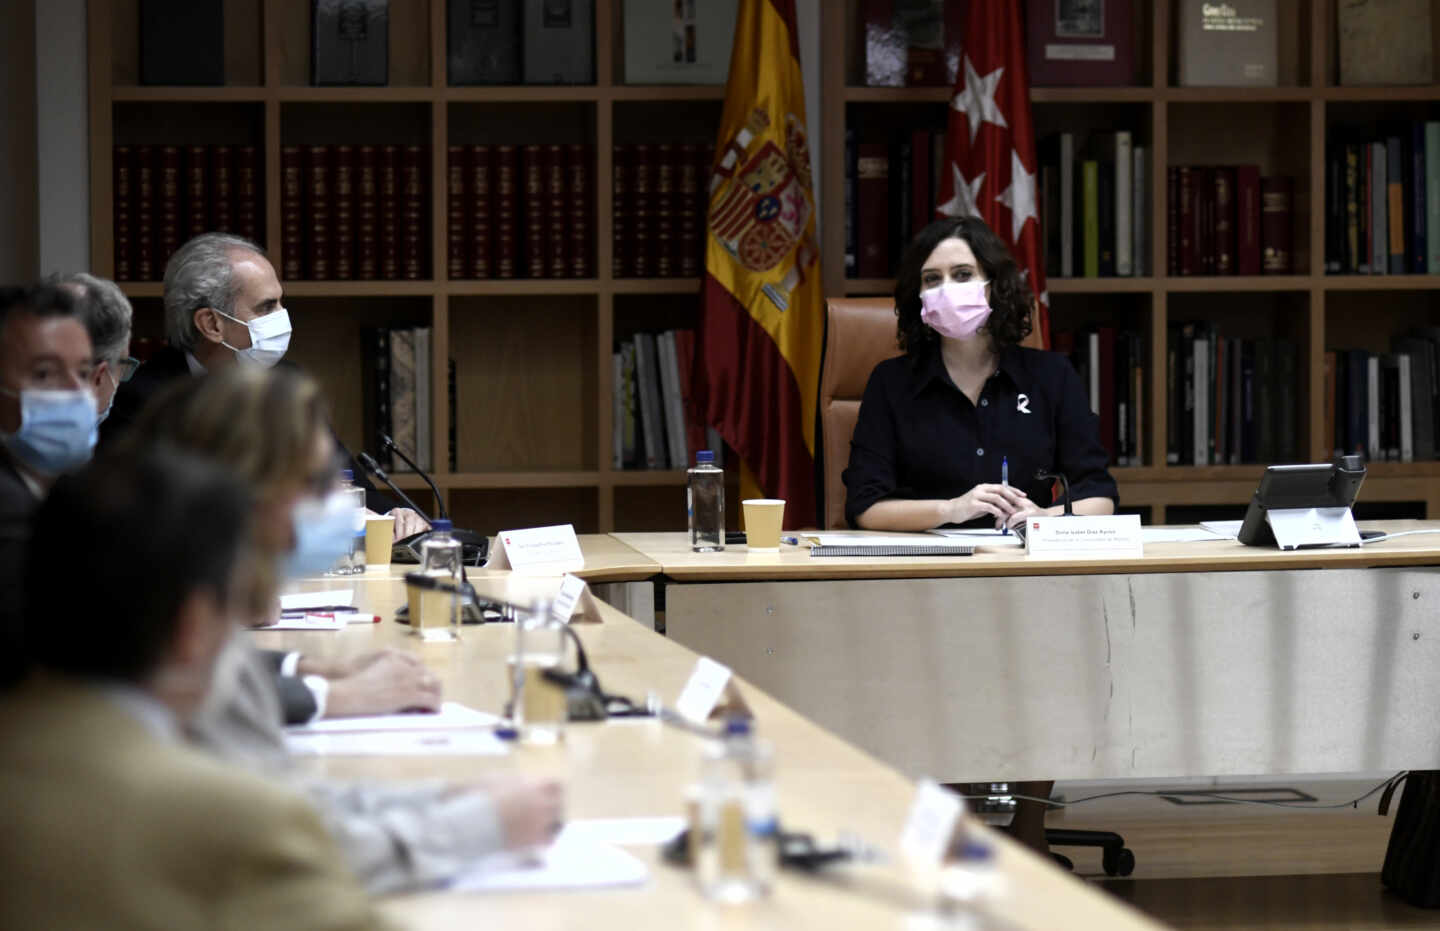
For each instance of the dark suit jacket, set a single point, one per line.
(17, 506)
(297, 702)
(161, 370)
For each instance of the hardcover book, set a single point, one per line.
(642, 206)
(167, 228)
(350, 42)
(578, 172)
(1385, 42)
(483, 42)
(507, 210)
(222, 184)
(145, 268)
(342, 212)
(621, 257)
(559, 42)
(197, 190)
(872, 192)
(1230, 43)
(389, 212)
(367, 213)
(557, 213)
(412, 212)
(479, 221)
(678, 41)
(1277, 201)
(182, 42)
(247, 192)
(1087, 43)
(291, 235)
(456, 243)
(123, 181)
(320, 251)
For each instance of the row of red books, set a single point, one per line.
(164, 194)
(1227, 220)
(519, 211)
(353, 211)
(661, 194)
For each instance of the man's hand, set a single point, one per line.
(339, 667)
(531, 812)
(387, 683)
(408, 522)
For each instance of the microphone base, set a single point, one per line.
(476, 547)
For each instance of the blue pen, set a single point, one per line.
(1005, 480)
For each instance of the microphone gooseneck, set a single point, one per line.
(373, 467)
(394, 447)
(1046, 474)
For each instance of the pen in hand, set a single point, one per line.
(1005, 480)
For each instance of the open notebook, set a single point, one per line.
(841, 543)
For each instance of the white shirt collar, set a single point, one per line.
(195, 367)
(152, 714)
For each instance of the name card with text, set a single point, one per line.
(554, 548)
(1111, 535)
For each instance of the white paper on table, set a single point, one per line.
(312, 622)
(568, 863)
(1225, 528)
(451, 716)
(843, 538)
(459, 742)
(981, 536)
(298, 601)
(1181, 534)
(624, 832)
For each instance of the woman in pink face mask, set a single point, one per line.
(942, 427)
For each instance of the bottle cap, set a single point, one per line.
(441, 523)
(704, 455)
(736, 727)
(347, 475)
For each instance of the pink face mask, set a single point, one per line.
(955, 309)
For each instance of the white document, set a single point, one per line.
(1181, 534)
(625, 832)
(312, 622)
(857, 538)
(459, 742)
(1225, 528)
(451, 716)
(568, 863)
(981, 536)
(298, 601)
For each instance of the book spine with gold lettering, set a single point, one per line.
(664, 209)
(557, 213)
(507, 211)
(197, 190)
(480, 219)
(145, 213)
(123, 193)
(412, 212)
(167, 230)
(622, 254)
(389, 181)
(577, 206)
(319, 250)
(687, 212)
(367, 213)
(533, 217)
(222, 189)
(342, 209)
(292, 239)
(247, 192)
(642, 207)
(1276, 212)
(456, 242)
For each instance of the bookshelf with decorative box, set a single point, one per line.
(1279, 321)
(529, 310)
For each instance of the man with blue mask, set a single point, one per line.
(47, 421)
(223, 307)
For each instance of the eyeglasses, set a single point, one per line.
(125, 368)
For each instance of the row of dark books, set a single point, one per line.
(1111, 364)
(164, 194)
(891, 189)
(397, 390)
(1384, 406)
(654, 425)
(1231, 400)
(660, 197)
(1095, 205)
(519, 211)
(1382, 203)
(354, 212)
(1228, 220)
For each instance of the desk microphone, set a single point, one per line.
(394, 447)
(373, 467)
(1047, 475)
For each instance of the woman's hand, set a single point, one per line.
(999, 501)
(1029, 509)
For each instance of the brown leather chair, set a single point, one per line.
(859, 335)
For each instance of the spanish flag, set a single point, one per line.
(761, 324)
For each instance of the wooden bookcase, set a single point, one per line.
(1284, 129)
(532, 355)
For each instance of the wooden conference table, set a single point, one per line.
(641, 768)
(1199, 659)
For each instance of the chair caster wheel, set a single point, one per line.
(1118, 862)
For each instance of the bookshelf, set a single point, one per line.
(532, 355)
(1285, 129)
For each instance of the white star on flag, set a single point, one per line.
(967, 195)
(1019, 196)
(977, 100)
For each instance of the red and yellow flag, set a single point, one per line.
(758, 360)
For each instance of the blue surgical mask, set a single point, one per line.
(57, 431)
(324, 531)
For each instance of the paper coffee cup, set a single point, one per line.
(763, 517)
(379, 537)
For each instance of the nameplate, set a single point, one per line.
(537, 548)
(930, 827)
(1296, 527)
(562, 606)
(1116, 535)
(703, 691)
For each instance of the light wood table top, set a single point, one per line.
(607, 559)
(641, 768)
(672, 552)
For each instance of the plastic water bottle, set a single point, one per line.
(705, 503)
(737, 850)
(538, 705)
(353, 562)
(441, 558)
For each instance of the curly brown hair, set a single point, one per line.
(1010, 295)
